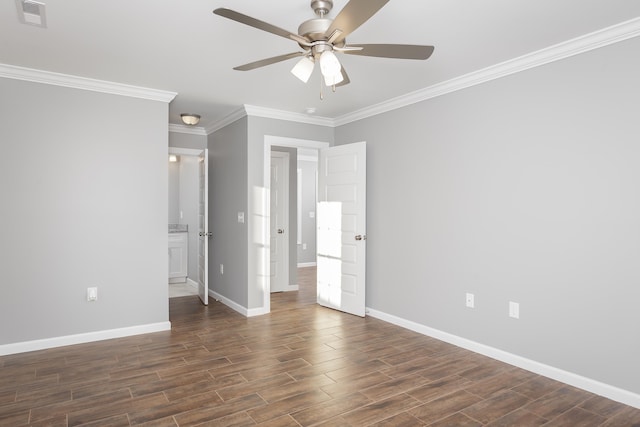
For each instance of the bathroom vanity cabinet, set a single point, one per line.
(178, 257)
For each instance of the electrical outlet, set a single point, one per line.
(221, 268)
(514, 310)
(304, 246)
(470, 300)
(92, 294)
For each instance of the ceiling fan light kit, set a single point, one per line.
(330, 67)
(321, 37)
(304, 68)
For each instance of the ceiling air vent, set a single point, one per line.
(31, 12)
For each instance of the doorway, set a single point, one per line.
(270, 141)
(187, 193)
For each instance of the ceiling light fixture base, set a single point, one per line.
(190, 118)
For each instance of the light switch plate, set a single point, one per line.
(514, 310)
(241, 217)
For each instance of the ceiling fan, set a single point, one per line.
(321, 37)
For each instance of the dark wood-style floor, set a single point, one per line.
(300, 365)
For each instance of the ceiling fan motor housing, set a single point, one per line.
(314, 29)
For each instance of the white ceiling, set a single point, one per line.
(181, 46)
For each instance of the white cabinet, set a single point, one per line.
(178, 257)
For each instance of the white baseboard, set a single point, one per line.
(192, 283)
(47, 343)
(247, 312)
(307, 264)
(588, 384)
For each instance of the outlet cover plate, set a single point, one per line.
(470, 300)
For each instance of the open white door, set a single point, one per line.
(203, 229)
(341, 224)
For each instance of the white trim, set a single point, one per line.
(308, 159)
(271, 113)
(84, 83)
(246, 312)
(588, 384)
(193, 283)
(186, 151)
(585, 43)
(190, 130)
(229, 303)
(47, 343)
(307, 264)
(226, 120)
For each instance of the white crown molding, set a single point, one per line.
(84, 83)
(607, 36)
(191, 130)
(226, 120)
(620, 395)
(271, 113)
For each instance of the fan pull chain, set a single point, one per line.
(321, 95)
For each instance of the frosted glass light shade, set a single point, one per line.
(333, 80)
(190, 118)
(329, 65)
(303, 69)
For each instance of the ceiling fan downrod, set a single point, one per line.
(321, 7)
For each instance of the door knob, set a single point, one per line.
(280, 231)
(361, 237)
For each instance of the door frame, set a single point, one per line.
(281, 141)
(192, 152)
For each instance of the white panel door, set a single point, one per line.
(279, 221)
(203, 228)
(341, 225)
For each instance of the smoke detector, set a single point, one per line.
(31, 13)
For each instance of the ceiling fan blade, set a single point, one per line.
(354, 14)
(261, 25)
(399, 51)
(268, 61)
(345, 78)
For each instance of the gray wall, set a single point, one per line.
(521, 189)
(84, 203)
(258, 127)
(309, 170)
(293, 212)
(187, 140)
(227, 197)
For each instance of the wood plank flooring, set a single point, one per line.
(301, 365)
